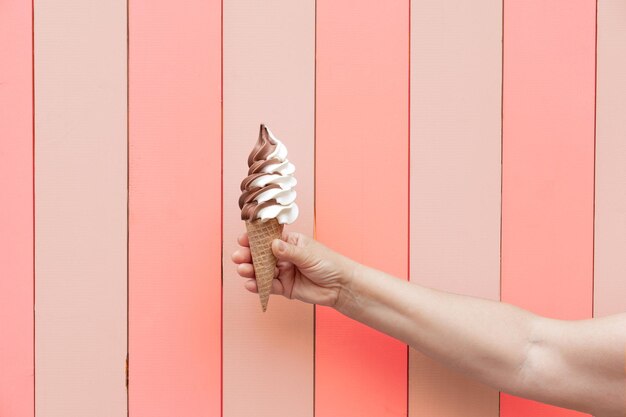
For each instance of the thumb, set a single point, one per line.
(288, 252)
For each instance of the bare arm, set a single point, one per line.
(574, 364)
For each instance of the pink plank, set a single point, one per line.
(455, 178)
(16, 210)
(362, 193)
(610, 214)
(174, 204)
(548, 164)
(81, 222)
(269, 52)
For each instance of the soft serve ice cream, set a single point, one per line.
(267, 203)
(268, 190)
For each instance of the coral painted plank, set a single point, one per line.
(175, 208)
(269, 64)
(610, 215)
(362, 193)
(548, 164)
(80, 208)
(17, 387)
(456, 65)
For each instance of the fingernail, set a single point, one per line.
(281, 246)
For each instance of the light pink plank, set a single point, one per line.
(16, 210)
(175, 208)
(455, 178)
(610, 210)
(362, 201)
(80, 161)
(548, 164)
(268, 78)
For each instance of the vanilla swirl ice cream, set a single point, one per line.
(267, 191)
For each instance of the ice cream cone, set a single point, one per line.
(261, 234)
(267, 203)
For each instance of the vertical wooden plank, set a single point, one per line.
(269, 52)
(81, 222)
(548, 164)
(175, 208)
(610, 214)
(16, 209)
(362, 193)
(456, 66)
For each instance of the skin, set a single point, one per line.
(573, 364)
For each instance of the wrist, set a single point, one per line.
(347, 295)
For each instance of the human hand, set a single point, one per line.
(306, 270)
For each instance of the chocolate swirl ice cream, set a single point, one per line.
(267, 190)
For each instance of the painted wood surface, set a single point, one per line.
(113, 215)
(17, 387)
(456, 66)
(80, 208)
(548, 164)
(175, 208)
(269, 52)
(361, 193)
(610, 208)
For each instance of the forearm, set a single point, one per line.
(574, 364)
(485, 339)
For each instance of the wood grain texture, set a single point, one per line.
(175, 208)
(610, 210)
(362, 193)
(17, 387)
(548, 164)
(456, 65)
(81, 198)
(268, 78)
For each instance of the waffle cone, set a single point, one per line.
(261, 234)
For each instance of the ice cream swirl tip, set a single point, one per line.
(268, 190)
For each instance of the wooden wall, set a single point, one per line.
(473, 147)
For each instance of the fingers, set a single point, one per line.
(296, 238)
(277, 287)
(242, 255)
(291, 237)
(250, 285)
(243, 258)
(243, 239)
(285, 251)
(247, 271)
